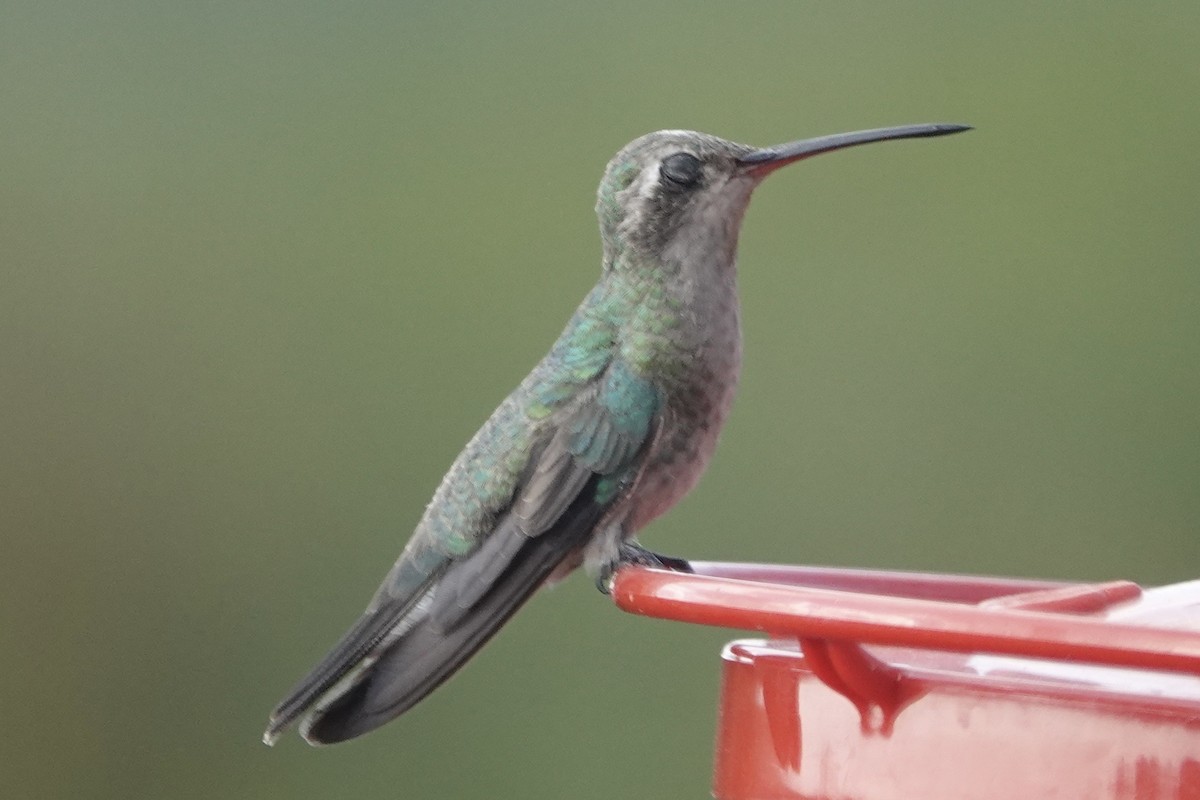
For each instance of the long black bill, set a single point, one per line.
(769, 159)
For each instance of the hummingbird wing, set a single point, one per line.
(436, 609)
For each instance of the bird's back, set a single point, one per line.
(469, 552)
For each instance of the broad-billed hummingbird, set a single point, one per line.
(610, 430)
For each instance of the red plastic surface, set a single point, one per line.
(966, 687)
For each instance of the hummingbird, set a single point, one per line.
(611, 429)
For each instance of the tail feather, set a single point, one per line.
(399, 652)
(352, 649)
(437, 644)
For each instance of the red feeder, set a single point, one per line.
(908, 686)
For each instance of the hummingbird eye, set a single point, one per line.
(680, 169)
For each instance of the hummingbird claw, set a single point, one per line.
(633, 554)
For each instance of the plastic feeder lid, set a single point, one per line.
(908, 686)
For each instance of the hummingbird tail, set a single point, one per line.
(348, 659)
(394, 657)
(435, 646)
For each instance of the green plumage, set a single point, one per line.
(586, 362)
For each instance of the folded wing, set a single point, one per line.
(435, 611)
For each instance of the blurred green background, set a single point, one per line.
(265, 267)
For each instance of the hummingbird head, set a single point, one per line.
(670, 196)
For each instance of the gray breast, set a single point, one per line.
(698, 401)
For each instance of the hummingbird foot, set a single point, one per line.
(632, 553)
